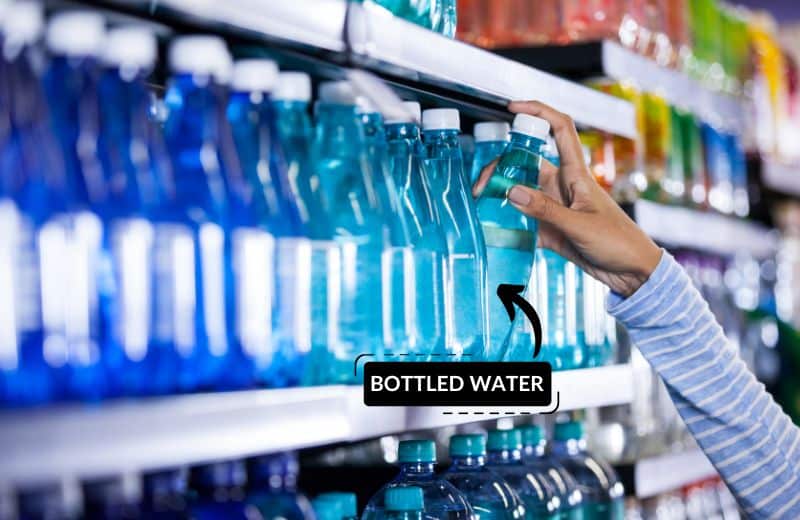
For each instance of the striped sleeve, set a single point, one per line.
(752, 443)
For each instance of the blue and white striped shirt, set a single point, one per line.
(754, 446)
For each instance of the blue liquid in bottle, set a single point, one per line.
(290, 98)
(219, 492)
(449, 18)
(71, 85)
(489, 495)
(128, 157)
(274, 285)
(417, 460)
(602, 492)
(510, 235)
(359, 228)
(505, 459)
(164, 495)
(536, 457)
(273, 488)
(398, 268)
(190, 243)
(491, 140)
(465, 296)
(33, 196)
(428, 242)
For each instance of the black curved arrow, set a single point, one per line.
(509, 294)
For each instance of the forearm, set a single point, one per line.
(747, 437)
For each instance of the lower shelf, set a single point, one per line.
(652, 476)
(78, 441)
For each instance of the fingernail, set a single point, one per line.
(519, 196)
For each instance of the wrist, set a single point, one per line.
(646, 264)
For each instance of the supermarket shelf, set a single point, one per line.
(656, 475)
(87, 441)
(393, 46)
(610, 59)
(781, 177)
(706, 231)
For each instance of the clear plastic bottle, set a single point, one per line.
(33, 350)
(428, 242)
(190, 239)
(349, 188)
(511, 236)
(489, 495)
(272, 488)
(343, 503)
(535, 456)
(164, 495)
(417, 459)
(290, 97)
(505, 459)
(491, 140)
(279, 286)
(466, 296)
(603, 494)
(218, 492)
(407, 503)
(449, 21)
(75, 40)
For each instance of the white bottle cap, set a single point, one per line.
(76, 33)
(531, 125)
(131, 47)
(441, 119)
(292, 86)
(23, 23)
(201, 54)
(365, 105)
(491, 131)
(413, 113)
(337, 92)
(254, 75)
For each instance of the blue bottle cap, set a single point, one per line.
(566, 431)
(346, 501)
(404, 499)
(416, 451)
(532, 434)
(500, 440)
(470, 445)
(326, 508)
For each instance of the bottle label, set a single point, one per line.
(520, 239)
(294, 286)
(498, 187)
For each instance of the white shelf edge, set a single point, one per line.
(77, 441)
(664, 473)
(704, 230)
(404, 49)
(781, 177)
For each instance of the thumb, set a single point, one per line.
(544, 208)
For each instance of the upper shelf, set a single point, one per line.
(366, 35)
(781, 177)
(89, 441)
(704, 230)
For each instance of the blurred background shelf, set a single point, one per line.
(653, 476)
(781, 177)
(676, 226)
(85, 441)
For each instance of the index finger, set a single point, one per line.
(567, 141)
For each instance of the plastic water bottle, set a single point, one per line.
(348, 186)
(466, 296)
(489, 495)
(219, 492)
(190, 277)
(417, 459)
(449, 20)
(510, 235)
(164, 495)
(398, 266)
(110, 498)
(467, 144)
(44, 501)
(75, 40)
(505, 459)
(405, 503)
(33, 198)
(598, 343)
(428, 242)
(273, 487)
(276, 286)
(491, 140)
(602, 492)
(340, 503)
(535, 456)
(290, 97)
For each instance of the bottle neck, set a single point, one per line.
(417, 468)
(404, 515)
(526, 141)
(503, 456)
(402, 131)
(569, 446)
(446, 137)
(467, 462)
(292, 119)
(373, 126)
(535, 450)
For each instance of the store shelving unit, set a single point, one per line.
(91, 441)
(781, 177)
(655, 475)
(704, 230)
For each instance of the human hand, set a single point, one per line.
(577, 218)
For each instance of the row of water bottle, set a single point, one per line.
(438, 15)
